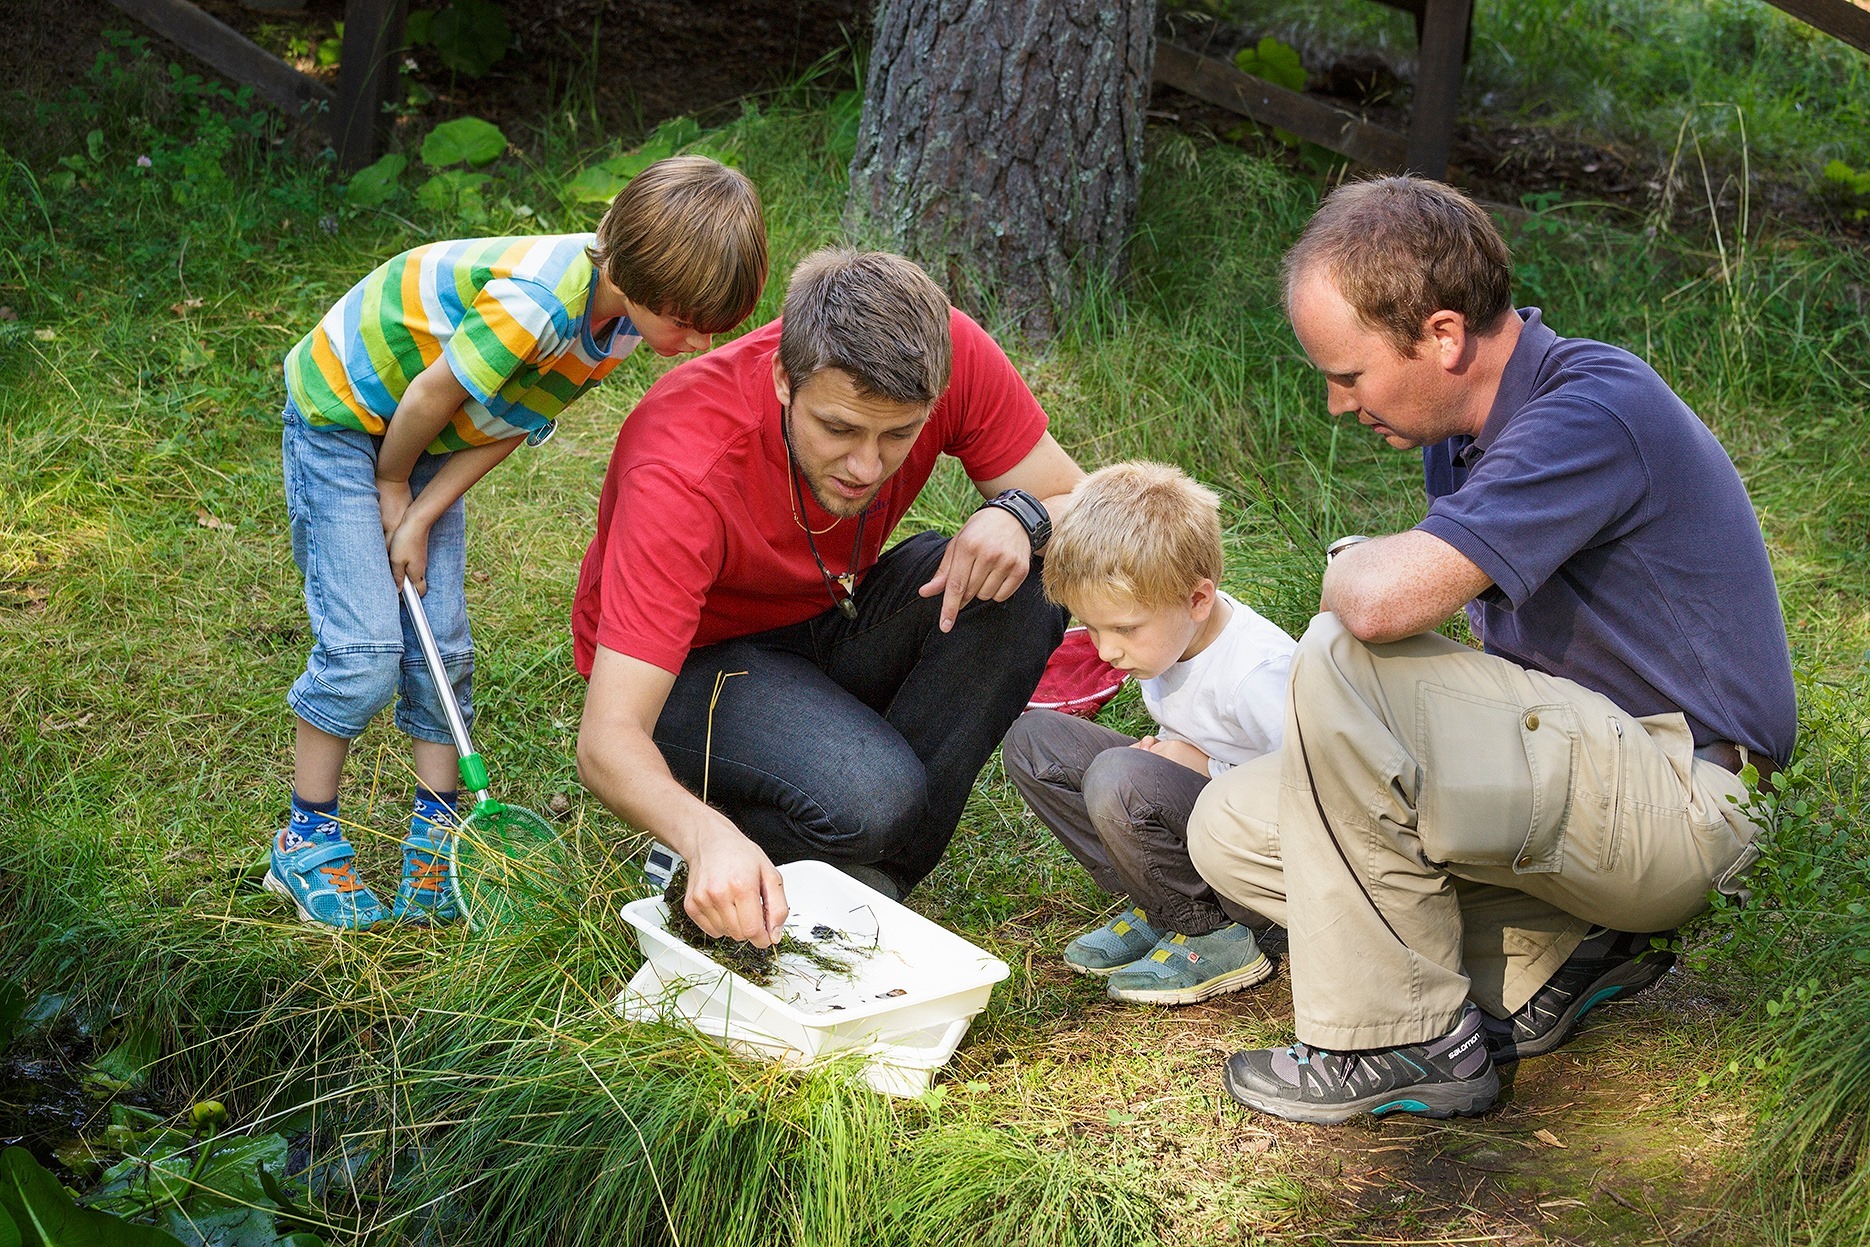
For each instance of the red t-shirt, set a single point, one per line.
(696, 540)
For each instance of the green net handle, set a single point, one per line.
(473, 773)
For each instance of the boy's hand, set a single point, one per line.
(393, 501)
(409, 554)
(1180, 751)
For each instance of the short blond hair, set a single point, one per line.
(1139, 531)
(687, 238)
(876, 317)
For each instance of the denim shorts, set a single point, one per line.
(364, 648)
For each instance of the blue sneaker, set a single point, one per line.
(318, 877)
(427, 891)
(1112, 946)
(1187, 969)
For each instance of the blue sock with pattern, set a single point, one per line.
(315, 820)
(434, 815)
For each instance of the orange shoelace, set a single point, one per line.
(430, 874)
(342, 877)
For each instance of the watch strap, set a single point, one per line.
(1029, 511)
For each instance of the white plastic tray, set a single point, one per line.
(905, 1004)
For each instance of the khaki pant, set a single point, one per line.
(1482, 817)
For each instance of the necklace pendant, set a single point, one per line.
(849, 607)
(849, 583)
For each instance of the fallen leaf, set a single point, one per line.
(205, 520)
(185, 306)
(1547, 1137)
(8, 314)
(45, 335)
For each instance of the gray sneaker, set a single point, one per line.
(1112, 946)
(1187, 969)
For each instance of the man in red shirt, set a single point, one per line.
(746, 637)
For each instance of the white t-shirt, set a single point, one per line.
(1229, 701)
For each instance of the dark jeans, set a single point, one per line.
(857, 741)
(1123, 813)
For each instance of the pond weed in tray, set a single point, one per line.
(859, 974)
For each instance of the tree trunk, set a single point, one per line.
(1001, 145)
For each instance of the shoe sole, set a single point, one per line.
(1234, 980)
(273, 883)
(1619, 982)
(1449, 1099)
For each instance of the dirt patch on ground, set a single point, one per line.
(1605, 1142)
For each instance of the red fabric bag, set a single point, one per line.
(1076, 680)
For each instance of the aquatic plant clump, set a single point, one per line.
(752, 963)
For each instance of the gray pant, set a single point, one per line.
(1122, 812)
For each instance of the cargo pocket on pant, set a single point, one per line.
(1496, 780)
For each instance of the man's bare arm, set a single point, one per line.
(1399, 586)
(733, 889)
(991, 555)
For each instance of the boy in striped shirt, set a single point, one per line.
(426, 375)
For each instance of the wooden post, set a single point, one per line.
(373, 39)
(1437, 86)
(1220, 83)
(230, 52)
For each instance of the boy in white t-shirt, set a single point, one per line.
(1137, 559)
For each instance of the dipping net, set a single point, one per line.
(509, 864)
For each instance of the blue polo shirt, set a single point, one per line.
(1623, 550)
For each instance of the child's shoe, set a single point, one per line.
(1185, 969)
(427, 892)
(1112, 946)
(317, 875)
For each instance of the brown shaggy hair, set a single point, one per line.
(1400, 249)
(687, 238)
(874, 316)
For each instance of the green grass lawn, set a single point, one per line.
(455, 1089)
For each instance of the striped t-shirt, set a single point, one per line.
(508, 314)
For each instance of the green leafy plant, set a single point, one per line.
(470, 36)
(375, 184)
(202, 1186)
(1849, 188)
(35, 1211)
(456, 191)
(600, 182)
(465, 140)
(1276, 62)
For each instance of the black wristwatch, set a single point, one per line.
(1030, 513)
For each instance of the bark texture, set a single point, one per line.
(1001, 145)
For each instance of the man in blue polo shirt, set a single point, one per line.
(1471, 849)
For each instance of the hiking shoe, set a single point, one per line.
(1112, 946)
(318, 877)
(427, 891)
(1185, 969)
(1609, 965)
(1441, 1078)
